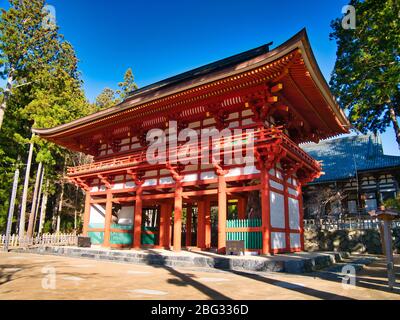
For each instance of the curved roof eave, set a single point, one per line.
(298, 41)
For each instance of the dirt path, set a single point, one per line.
(29, 276)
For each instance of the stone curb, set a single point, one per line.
(295, 266)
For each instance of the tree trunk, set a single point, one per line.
(76, 209)
(395, 123)
(11, 209)
(6, 97)
(58, 224)
(254, 205)
(55, 213)
(44, 206)
(40, 196)
(25, 191)
(60, 205)
(35, 194)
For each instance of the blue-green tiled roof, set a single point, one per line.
(342, 157)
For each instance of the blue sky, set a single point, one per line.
(158, 39)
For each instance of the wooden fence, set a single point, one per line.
(346, 224)
(59, 239)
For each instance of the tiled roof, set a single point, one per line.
(342, 157)
(204, 70)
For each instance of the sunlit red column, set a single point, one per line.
(86, 216)
(222, 206)
(265, 211)
(178, 217)
(137, 227)
(108, 219)
(189, 226)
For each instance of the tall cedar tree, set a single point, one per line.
(105, 100)
(128, 85)
(366, 77)
(108, 97)
(43, 90)
(25, 45)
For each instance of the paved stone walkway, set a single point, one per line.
(31, 276)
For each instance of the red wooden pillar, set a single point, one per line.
(286, 213)
(242, 206)
(207, 223)
(265, 209)
(86, 216)
(168, 234)
(137, 227)
(201, 240)
(178, 217)
(222, 212)
(300, 198)
(163, 226)
(189, 226)
(108, 219)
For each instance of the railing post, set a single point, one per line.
(108, 219)
(207, 223)
(86, 217)
(137, 225)
(178, 217)
(222, 208)
(201, 208)
(265, 208)
(189, 211)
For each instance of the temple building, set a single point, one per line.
(271, 100)
(358, 177)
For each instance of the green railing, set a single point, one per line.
(149, 238)
(115, 237)
(252, 239)
(119, 237)
(98, 236)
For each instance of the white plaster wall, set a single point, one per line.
(118, 186)
(295, 240)
(277, 210)
(119, 178)
(194, 124)
(166, 180)
(130, 184)
(208, 175)
(294, 214)
(246, 122)
(125, 215)
(250, 170)
(293, 192)
(208, 121)
(234, 124)
(233, 116)
(150, 182)
(190, 177)
(247, 112)
(234, 172)
(278, 240)
(97, 213)
(276, 185)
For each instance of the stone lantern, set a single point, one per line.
(387, 216)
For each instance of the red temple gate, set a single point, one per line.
(279, 96)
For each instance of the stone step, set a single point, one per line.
(289, 263)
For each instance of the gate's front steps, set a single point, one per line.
(302, 262)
